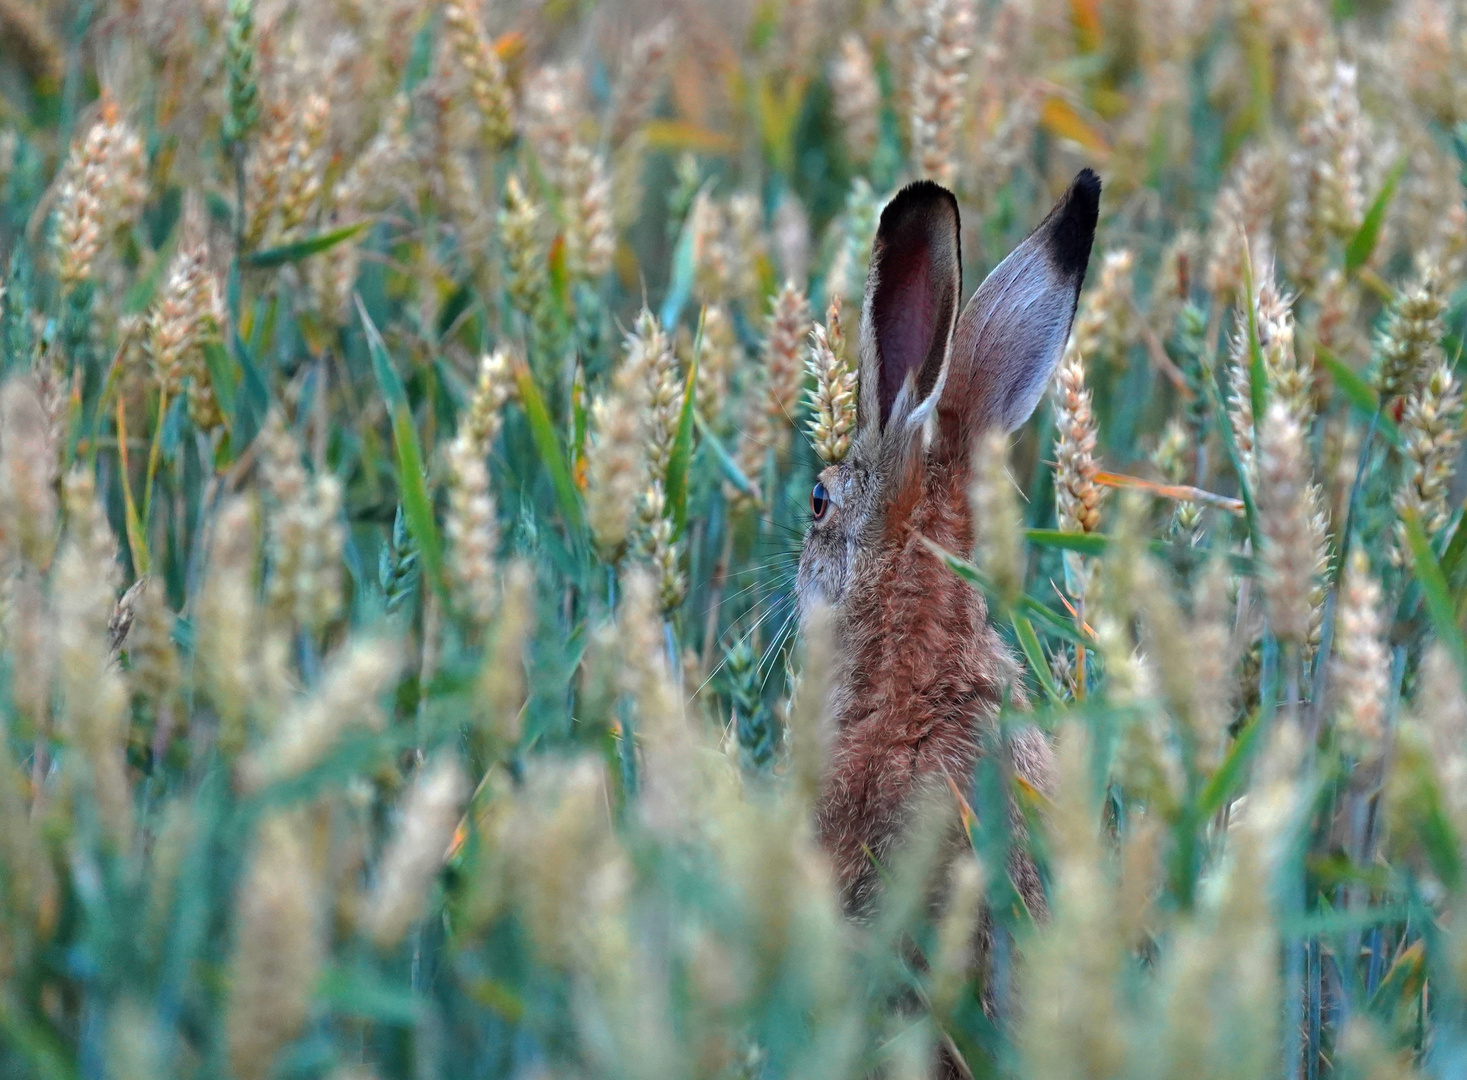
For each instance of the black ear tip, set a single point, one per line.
(1072, 231)
(1087, 186)
(919, 196)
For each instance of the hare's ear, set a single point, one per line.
(911, 305)
(1013, 331)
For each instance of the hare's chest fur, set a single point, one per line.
(922, 672)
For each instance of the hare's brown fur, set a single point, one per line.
(922, 671)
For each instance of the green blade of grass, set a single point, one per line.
(417, 505)
(580, 426)
(1233, 771)
(1097, 544)
(1029, 642)
(1362, 244)
(681, 457)
(221, 378)
(1356, 391)
(136, 534)
(1084, 543)
(1257, 375)
(1402, 980)
(1434, 591)
(302, 249)
(730, 467)
(361, 993)
(542, 431)
(387, 377)
(35, 1044)
(1313, 924)
(140, 297)
(1433, 829)
(684, 268)
(1453, 555)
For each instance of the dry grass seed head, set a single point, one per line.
(720, 358)
(590, 229)
(304, 535)
(616, 470)
(1361, 662)
(278, 948)
(996, 516)
(1243, 214)
(417, 851)
(233, 650)
(502, 683)
(346, 698)
(189, 317)
(833, 395)
(154, 669)
(1077, 496)
(103, 187)
(784, 373)
(1285, 514)
(1431, 428)
(939, 76)
(558, 846)
(1327, 201)
(487, 86)
(94, 715)
(28, 469)
(857, 96)
(1105, 324)
(1409, 343)
(471, 527)
(1069, 1025)
(640, 81)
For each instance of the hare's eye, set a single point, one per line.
(819, 500)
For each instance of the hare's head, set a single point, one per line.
(931, 381)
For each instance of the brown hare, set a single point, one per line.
(920, 670)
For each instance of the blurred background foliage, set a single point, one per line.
(409, 420)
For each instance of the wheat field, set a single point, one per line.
(409, 416)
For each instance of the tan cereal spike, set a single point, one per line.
(833, 395)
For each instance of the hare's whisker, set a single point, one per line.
(761, 583)
(719, 667)
(780, 560)
(785, 632)
(800, 428)
(763, 445)
(783, 526)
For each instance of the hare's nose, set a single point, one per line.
(819, 500)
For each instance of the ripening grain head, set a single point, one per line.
(345, 699)
(417, 850)
(996, 515)
(1284, 510)
(28, 470)
(278, 948)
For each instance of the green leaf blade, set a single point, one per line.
(417, 505)
(1034, 653)
(1362, 244)
(681, 458)
(1438, 598)
(731, 471)
(547, 442)
(302, 249)
(1083, 543)
(1357, 391)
